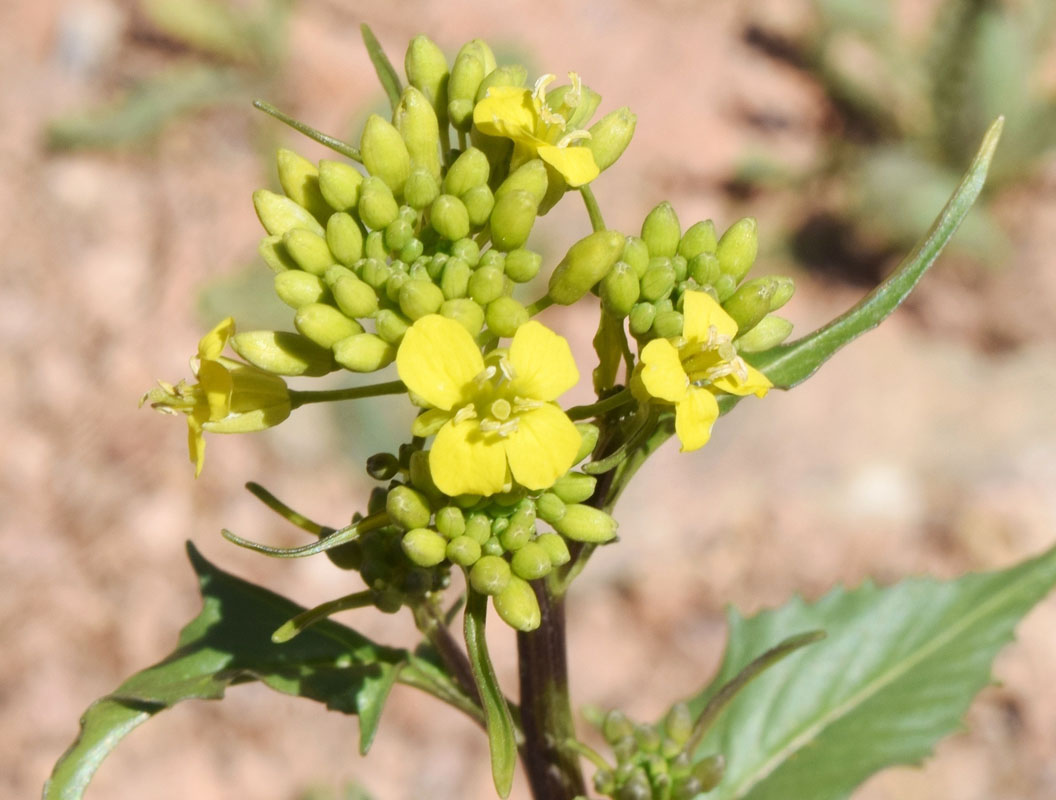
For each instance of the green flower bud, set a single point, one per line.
(640, 320)
(784, 288)
(516, 535)
(505, 315)
(354, 297)
(490, 575)
(636, 253)
(636, 788)
(585, 524)
(699, 238)
(512, 220)
(668, 324)
(616, 727)
(454, 281)
(340, 184)
(377, 205)
(492, 258)
(587, 262)
(487, 284)
(574, 487)
(382, 466)
(492, 547)
(449, 217)
(416, 121)
(344, 238)
(395, 283)
(737, 248)
(709, 771)
(468, 171)
(283, 353)
(751, 302)
(704, 268)
(420, 475)
(555, 547)
(375, 273)
(384, 153)
(507, 75)
(589, 434)
(576, 110)
(479, 203)
(619, 289)
(364, 352)
(625, 750)
(531, 562)
(421, 188)
(530, 177)
(522, 265)
(408, 508)
(308, 250)
(681, 268)
(647, 737)
(549, 507)
(391, 326)
(518, 606)
(466, 76)
(466, 313)
(658, 281)
(451, 522)
(412, 253)
(324, 324)
(467, 250)
(661, 230)
(296, 288)
(418, 298)
(478, 528)
(374, 247)
(604, 783)
(424, 547)
(724, 286)
(464, 551)
(426, 69)
(275, 255)
(610, 136)
(299, 179)
(397, 234)
(279, 214)
(678, 724)
(769, 332)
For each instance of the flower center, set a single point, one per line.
(707, 361)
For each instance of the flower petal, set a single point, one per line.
(543, 447)
(694, 417)
(213, 343)
(756, 383)
(216, 382)
(701, 311)
(576, 164)
(543, 366)
(507, 111)
(662, 373)
(465, 461)
(195, 445)
(437, 359)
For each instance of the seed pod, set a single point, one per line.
(391, 326)
(344, 238)
(466, 313)
(531, 562)
(275, 255)
(308, 250)
(512, 220)
(589, 434)
(463, 550)
(518, 606)
(416, 121)
(704, 268)
(419, 298)
(699, 238)
(340, 184)
(384, 153)
(408, 508)
(505, 315)
(377, 205)
(296, 288)
(530, 177)
(449, 217)
(299, 179)
(668, 324)
(468, 171)
(451, 522)
(555, 547)
(574, 487)
(769, 332)
(324, 324)
(619, 290)
(426, 69)
(587, 262)
(661, 230)
(640, 320)
(585, 524)
(279, 214)
(486, 284)
(424, 547)
(737, 248)
(364, 352)
(490, 575)
(522, 265)
(479, 203)
(610, 136)
(549, 507)
(751, 302)
(283, 353)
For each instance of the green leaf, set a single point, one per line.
(499, 722)
(895, 674)
(229, 642)
(789, 364)
(390, 79)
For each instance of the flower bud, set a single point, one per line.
(412, 253)
(384, 153)
(681, 268)
(589, 434)
(487, 284)
(512, 220)
(468, 171)
(344, 238)
(619, 290)
(374, 246)
(678, 723)
(555, 547)
(530, 177)
(518, 606)
(426, 69)
(479, 203)
(574, 487)
(275, 255)
(421, 188)
(737, 248)
(490, 575)
(324, 324)
(661, 231)
(668, 324)
(454, 280)
(279, 214)
(375, 273)
(505, 315)
(391, 326)
(616, 727)
(451, 522)
(610, 136)
(408, 508)
(299, 179)
(506, 75)
(549, 507)
(636, 253)
(283, 353)
(420, 475)
(464, 551)
(585, 524)
(577, 110)
(397, 234)
(416, 121)
(704, 268)
(449, 217)
(377, 205)
(466, 313)
(724, 286)
(478, 528)
(522, 265)
(658, 280)
(419, 298)
(751, 302)
(640, 320)
(784, 288)
(467, 73)
(531, 562)
(382, 466)
(467, 250)
(308, 250)
(340, 184)
(587, 262)
(699, 238)
(364, 352)
(296, 288)
(424, 547)
(769, 332)
(709, 771)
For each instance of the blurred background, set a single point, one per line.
(128, 152)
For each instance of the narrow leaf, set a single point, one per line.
(497, 717)
(896, 672)
(793, 363)
(390, 79)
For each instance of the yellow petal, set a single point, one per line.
(662, 373)
(506, 111)
(429, 422)
(437, 359)
(701, 311)
(694, 417)
(195, 445)
(215, 381)
(756, 383)
(543, 447)
(576, 164)
(465, 461)
(543, 367)
(213, 343)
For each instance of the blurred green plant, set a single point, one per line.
(908, 107)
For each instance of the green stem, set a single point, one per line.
(430, 621)
(298, 399)
(601, 407)
(593, 210)
(333, 143)
(541, 304)
(306, 619)
(287, 513)
(329, 542)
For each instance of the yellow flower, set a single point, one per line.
(691, 370)
(230, 397)
(492, 418)
(537, 130)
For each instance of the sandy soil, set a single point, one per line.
(913, 451)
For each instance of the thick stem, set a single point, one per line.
(546, 712)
